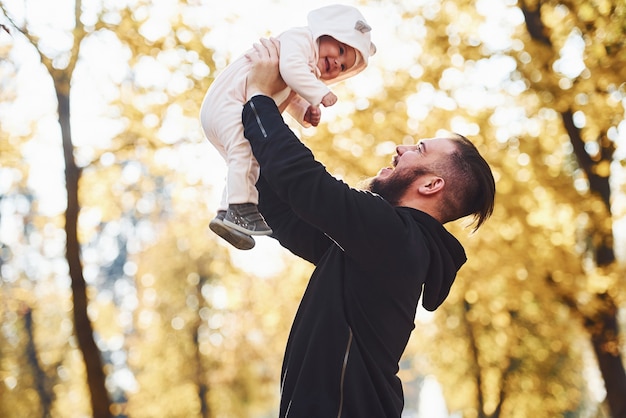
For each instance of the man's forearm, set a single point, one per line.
(284, 162)
(254, 128)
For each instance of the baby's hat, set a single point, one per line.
(346, 24)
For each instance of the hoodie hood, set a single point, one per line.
(347, 25)
(446, 258)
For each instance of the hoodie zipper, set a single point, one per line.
(258, 119)
(282, 386)
(343, 375)
(343, 372)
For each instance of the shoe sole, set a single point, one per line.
(244, 230)
(235, 238)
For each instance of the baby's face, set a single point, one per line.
(334, 57)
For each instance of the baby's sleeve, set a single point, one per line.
(296, 63)
(297, 108)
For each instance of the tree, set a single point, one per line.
(61, 78)
(601, 28)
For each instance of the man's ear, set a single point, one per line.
(432, 185)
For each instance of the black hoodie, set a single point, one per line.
(372, 262)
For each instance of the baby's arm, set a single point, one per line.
(297, 107)
(296, 61)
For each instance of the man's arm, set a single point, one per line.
(297, 236)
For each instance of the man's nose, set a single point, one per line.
(401, 149)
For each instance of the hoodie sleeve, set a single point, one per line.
(299, 237)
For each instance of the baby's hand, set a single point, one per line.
(313, 115)
(329, 100)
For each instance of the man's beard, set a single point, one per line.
(394, 187)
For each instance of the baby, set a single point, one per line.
(334, 46)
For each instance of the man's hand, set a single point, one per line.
(313, 115)
(264, 77)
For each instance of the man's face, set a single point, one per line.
(409, 163)
(334, 57)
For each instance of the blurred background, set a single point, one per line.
(117, 300)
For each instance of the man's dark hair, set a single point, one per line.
(470, 186)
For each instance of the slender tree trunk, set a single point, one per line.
(42, 383)
(200, 376)
(604, 331)
(100, 401)
(473, 348)
(603, 325)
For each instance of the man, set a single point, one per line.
(376, 253)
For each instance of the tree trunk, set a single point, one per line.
(603, 325)
(200, 377)
(42, 384)
(100, 401)
(604, 331)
